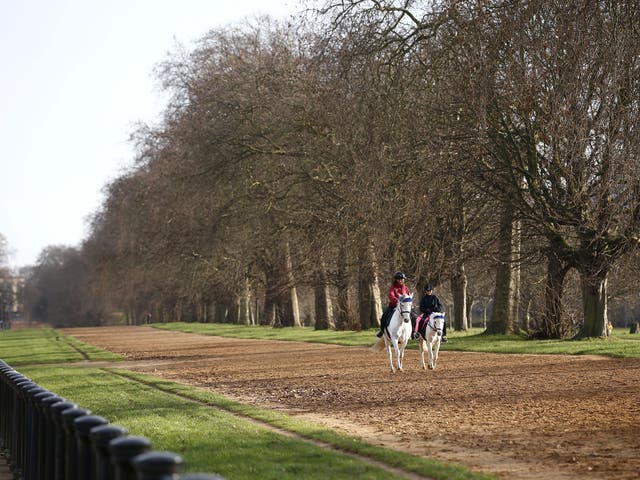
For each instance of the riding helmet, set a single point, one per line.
(399, 276)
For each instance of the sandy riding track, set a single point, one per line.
(517, 416)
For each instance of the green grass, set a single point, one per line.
(46, 345)
(181, 419)
(304, 334)
(620, 344)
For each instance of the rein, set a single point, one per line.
(402, 312)
(432, 325)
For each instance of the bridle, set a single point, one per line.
(432, 325)
(408, 311)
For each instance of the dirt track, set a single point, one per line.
(521, 417)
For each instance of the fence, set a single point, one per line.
(45, 437)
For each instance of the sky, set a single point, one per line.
(76, 77)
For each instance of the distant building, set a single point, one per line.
(11, 308)
(16, 309)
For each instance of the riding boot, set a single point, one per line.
(444, 333)
(384, 321)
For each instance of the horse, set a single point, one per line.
(398, 332)
(431, 340)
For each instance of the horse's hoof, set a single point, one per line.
(431, 368)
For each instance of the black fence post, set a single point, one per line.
(123, 450)
(35, 457)
(8, 433)
(18, 422)
(158, 466)
(86, 457)
(100, 438)
(59, 458)
(45, 437)
(6, 405)
(47, 441)
(19, 416)
(71, 449)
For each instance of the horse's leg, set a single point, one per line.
(422, 347)
(396, 347)
(430, 351)
(436, 350)
(401, 357)
(393, 369)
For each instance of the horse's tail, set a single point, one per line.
(378, 346)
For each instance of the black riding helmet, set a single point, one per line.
(399, 276)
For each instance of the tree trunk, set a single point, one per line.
(526, 316)
(220, 313)
(551, 323)
(506, 296)
(455, 250)
(244, 314)
(485, 308)
(198, 308)
(470, 303)
(233, 309)
(369, 290)
(177, 311)
(271, 315)
(516, 290)
(594, 305)
(323, 307)
(289, 299)
(343, 314)
(459, 291)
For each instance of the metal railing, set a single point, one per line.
(45, 437)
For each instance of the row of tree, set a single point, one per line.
(490, 147)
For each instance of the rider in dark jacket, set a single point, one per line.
(429, 304)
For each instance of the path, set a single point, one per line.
(522, 417)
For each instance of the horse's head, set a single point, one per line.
(404, 307)
(437, 320)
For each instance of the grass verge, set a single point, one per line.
(46, 345)
(620, 344)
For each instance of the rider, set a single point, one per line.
(429, 304)
(396, 289)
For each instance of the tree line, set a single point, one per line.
(491, 148)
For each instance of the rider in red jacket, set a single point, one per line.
(396, 289)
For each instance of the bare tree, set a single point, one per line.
(57, 292)
(562, 127)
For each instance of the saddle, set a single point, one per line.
(421, 321)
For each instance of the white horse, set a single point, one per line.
(398, 332)
(431, 341)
